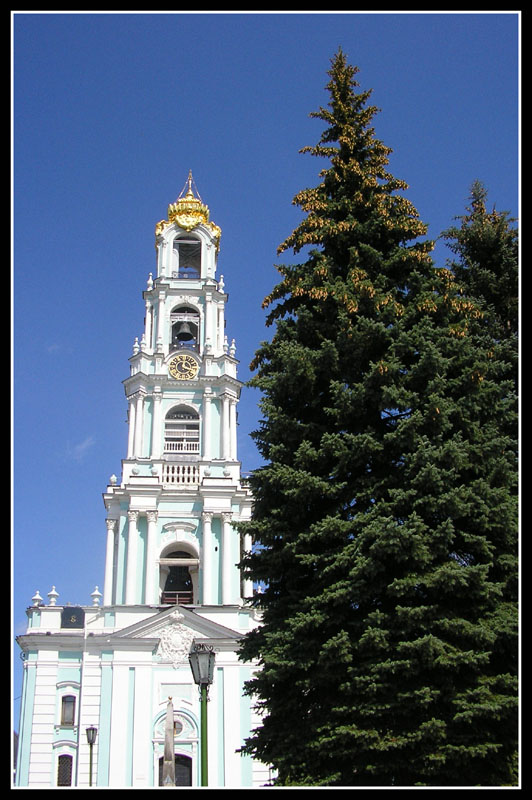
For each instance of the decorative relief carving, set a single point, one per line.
(176, 640)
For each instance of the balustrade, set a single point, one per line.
(181, 474)
(178, 446)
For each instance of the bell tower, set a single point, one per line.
(171, 538)
(172, 585)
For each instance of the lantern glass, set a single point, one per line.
(201, 661)
(91, 734)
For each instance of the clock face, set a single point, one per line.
(183, 367)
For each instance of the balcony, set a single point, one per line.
(181, 446)
(181, 474)
(176, 598)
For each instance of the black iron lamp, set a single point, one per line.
(201, 659)
(91, 732)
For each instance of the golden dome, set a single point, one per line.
(188, 212)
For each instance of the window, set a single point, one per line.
(178, 577)
(178, 583)
(185, 327)
(181, 431)
(186, 258)
(68, 707)
(64, 770)
(183, 771)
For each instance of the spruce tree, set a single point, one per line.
(486, 247)
(384, 514)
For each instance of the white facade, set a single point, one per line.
(171, 574)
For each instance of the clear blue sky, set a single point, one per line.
(110, 111)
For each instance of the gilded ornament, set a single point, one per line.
(188, 212)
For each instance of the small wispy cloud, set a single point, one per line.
(78, 451)
(52, 348)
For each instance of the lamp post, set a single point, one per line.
(91, 732)
(201, 659)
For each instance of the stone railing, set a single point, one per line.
(181, 474)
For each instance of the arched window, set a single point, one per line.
(177, 584)
(185, 328)
(186, 258)
(183, 771)
(68, 709)
(64, 770)
(181, 430)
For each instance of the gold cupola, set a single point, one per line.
(189, 211)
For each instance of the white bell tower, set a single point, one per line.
(172, 582)
(170, 520)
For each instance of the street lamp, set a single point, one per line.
(201, 659)
(91, 732)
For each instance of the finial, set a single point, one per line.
(37, 599)
(53, 595)
(96, 594)
(188, 190)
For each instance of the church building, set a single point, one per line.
(109, 696)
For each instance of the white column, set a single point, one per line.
(232, 429)
(160, 318)
(227, 560)
(139, 420)
(109, 562)
(207, 395)
(163, 249)
(156, 443)
(150, 559)
(247, 583)
(221, 328)
(131, 567)
(207, 559)
(131, 432)
(147, 325)
(225, 426)
(208, 319)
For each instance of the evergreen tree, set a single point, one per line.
(486, 245)
(384, 513)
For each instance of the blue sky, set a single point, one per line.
(110, 111)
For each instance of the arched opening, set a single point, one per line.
(64, 770)
(186, 258)
(183, 770)
(184, 332)
(181, 430)
(178, 577)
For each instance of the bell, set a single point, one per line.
(184, 332)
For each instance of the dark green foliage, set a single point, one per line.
(386, 510)
(486, 245)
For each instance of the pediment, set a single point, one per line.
(176, 629)
(178, 617)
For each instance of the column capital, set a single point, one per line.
(132, 516)
(111, 524)
(207, 516)
(152, 516)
